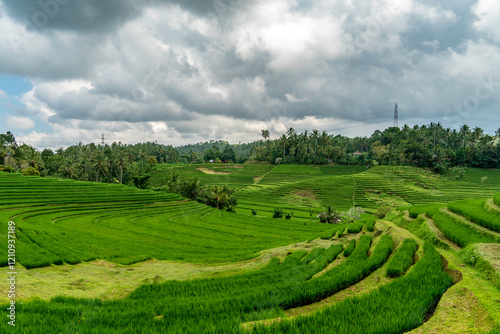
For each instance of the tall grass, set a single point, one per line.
(403, 259)
(474, 211)
(397, 307)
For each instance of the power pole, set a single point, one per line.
(396, 116)
(102, 139)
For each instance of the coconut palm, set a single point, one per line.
(330, 216)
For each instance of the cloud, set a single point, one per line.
(3, 95)
(488, 13)
(187, 71)
(22, 123)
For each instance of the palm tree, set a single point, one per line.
(330, 216)
(101, 163)
(120, 159)
(283, 141)
(68, 167)
(265, 134)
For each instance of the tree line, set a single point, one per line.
(429, 146)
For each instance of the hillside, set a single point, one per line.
(145, 260)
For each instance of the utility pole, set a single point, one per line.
(102, 139)
(396, 116)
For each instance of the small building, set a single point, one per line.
(357, 153)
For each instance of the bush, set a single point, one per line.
(254, 212)
(289, 215)
(278, 213)
(7, 169)
(31, 171)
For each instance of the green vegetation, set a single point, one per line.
(370, 224)
(219, 304)
(403, 259)
(474, 210)
(69, 221)
(355, 228)
(394, 308)
(458, 232)
(61, 223)
(350, 248)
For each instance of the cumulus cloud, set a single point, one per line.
(187, 71)
(488, 13)
(17, 122)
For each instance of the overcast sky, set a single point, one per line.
(185, 71)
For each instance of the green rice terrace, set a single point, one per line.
(413, 252)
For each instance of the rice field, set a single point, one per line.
(310, 265)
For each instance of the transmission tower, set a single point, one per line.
(396, 115)
(102, 139)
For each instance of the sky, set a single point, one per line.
(189, 71)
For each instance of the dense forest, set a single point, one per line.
(423, 146)
(429, 146)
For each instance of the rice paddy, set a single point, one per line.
(67, 224)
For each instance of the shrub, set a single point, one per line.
(31, 171)
(330, 216)
(278, 213)
(289, 215)
(7, 169)
(254, 212)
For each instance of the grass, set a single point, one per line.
(403, 259)
(475, 211)
(69, 221)
(148, 261)
(393, 308)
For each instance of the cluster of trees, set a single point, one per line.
(433, 146)
(218, 149)
(220, 197)
(423, 146)
(128, 164)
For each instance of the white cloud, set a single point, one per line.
(488, 13)
(22, 123)
(3, 95)
(296, 41)
(477, 59)
(175, 75)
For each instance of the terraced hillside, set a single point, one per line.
(68, 221)
(427, 267)
(300, 188)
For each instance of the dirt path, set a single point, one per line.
(475, 226)
(257, 179)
